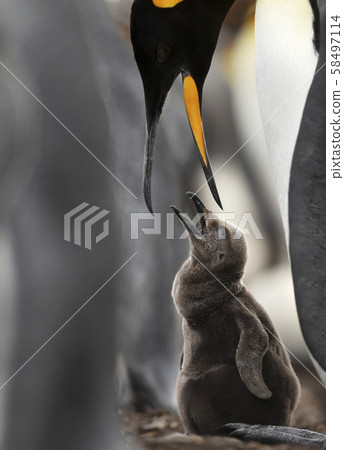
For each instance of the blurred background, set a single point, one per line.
(72, 124)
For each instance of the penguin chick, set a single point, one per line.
(233, 366)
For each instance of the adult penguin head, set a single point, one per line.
(171, 37)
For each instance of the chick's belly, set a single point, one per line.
(215, 397)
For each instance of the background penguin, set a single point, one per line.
(71, 56)
(234, 367)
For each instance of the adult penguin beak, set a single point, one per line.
(148, 162)
(192, 99)
(188, 224)
(155, 96)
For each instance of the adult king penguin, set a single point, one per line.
(179, 36)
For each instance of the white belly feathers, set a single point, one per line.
(285, 63)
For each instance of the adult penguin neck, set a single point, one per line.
(286, 58)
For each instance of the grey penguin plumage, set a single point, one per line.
(233, 367)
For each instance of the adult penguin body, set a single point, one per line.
(286, 58)
(293, 108)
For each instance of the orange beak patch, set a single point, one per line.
(193, 110)
(166, 3)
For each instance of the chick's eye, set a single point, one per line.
(221, 255)
(221, 233)
(163, 52)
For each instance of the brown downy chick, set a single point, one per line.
(233, 367)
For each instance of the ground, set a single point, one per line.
(160, 429)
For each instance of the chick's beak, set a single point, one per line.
(201, 209)
(188, 224)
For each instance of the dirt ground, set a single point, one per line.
(160, 429)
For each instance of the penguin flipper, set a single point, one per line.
(253, 344)
(273, 434)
